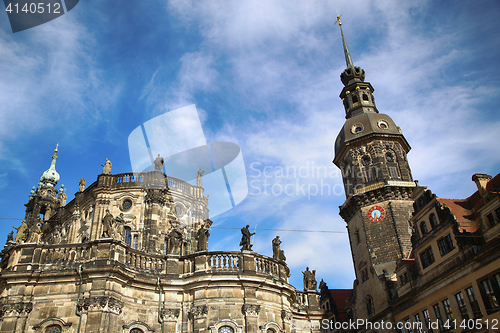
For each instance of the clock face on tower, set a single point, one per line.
(376, 214)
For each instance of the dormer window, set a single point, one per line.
(433, 220)
(423, 228)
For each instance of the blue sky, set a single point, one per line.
(263, 75)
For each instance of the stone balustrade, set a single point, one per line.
(108, 252)
(131, 179)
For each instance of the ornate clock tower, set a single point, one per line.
(371, 152)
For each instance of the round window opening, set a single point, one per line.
(226, 329)
(136, 330)
(383, 124)
(356, 128)
(53, 329)
(127, 204)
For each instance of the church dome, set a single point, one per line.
(365, 124)
(50, 177)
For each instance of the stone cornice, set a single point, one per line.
(355, 202)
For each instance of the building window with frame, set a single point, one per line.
(447, 310)
(128, 236)
(439, 317)
(462, 306)
(393, 172)
(491, 219)
(226, 329)
(490, 292)
(368, 175)
(445, 245)
(471, 295)
(419, 326)
(427, 320)
(433, 220)
(427, 257)
(423, 228)
(136, 242)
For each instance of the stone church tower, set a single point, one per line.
(371, 152)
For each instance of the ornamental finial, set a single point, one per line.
(348, 59)
(57, 148)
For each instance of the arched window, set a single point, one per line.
(365, 97)
(354, 100)
(369, 305)
(128, 236)
(53, 329)
(270, 330)
(226, 329)
(433, 220)
(366, 160)
(389, 157)
(423, 228)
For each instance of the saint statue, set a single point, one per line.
(174, 241)
(198, 177)
(22, 232)
(276, 247)
(107, 225)
(245, 239)
(309, 280)
(81, 184)
(158, 163)
(203, 234)
(106, 168)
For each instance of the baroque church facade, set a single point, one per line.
(422, 264)
(130, 254)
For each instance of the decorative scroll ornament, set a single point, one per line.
(250, 310)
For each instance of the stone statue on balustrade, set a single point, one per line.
(198, 178)
(278, 253)
(119, 227)
(202, 236)
(309, 280)
(175, 239)
(245, 239)
(107, 225)
(35, 234)
(106, 168)
(81, 184)
(62, 195)
(158, 163)
(22, 232)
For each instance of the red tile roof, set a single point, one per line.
(339, 296)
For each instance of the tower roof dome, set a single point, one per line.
(50, 177)
(363, 125)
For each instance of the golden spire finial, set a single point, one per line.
(338, 19)
(57, 148)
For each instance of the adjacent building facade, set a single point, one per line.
(130, 254)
